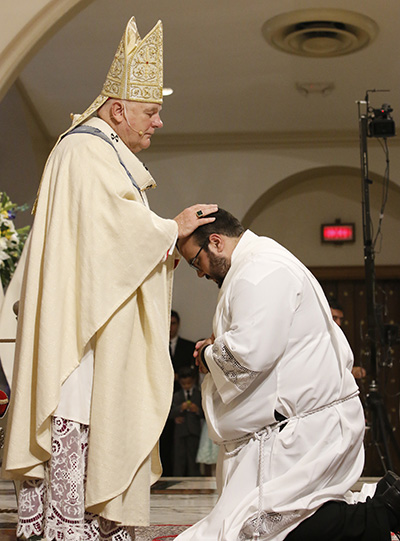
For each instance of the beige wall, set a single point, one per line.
(19, 171)
(285, 193)
(293, 216)
(282, 190)
(25, 26)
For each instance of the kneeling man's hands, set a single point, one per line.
(200, 345)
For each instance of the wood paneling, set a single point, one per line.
(347, 286)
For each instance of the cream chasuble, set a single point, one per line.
(96, 267)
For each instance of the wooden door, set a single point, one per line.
(347, 286)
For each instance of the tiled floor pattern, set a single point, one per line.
(175, 504)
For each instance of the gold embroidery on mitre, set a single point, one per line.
(136, 73)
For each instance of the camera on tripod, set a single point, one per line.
(381, 124)
(391, 334)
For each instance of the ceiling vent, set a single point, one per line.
(320, 33)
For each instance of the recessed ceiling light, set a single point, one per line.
(320, 33)
(167, 91)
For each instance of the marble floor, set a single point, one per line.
(8, 504)
(182, 500)
(174, 501)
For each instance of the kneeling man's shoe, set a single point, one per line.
(391, 499)
(386, 482)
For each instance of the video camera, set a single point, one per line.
(381, 124)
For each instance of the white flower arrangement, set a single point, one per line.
(12, 240)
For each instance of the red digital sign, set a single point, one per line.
(338, 233)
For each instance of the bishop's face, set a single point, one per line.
(140, 122)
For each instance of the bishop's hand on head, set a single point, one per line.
(192, 217)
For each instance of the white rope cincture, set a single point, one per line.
(261, 440)
(261, 436)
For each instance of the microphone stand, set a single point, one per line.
(380, 425)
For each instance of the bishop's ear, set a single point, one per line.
(117, 111)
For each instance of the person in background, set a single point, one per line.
(93, 380)
(181, 352)
(336, 311)
(187, 413)
(338, 317)
(181, 349)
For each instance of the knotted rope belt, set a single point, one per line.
(261, 436)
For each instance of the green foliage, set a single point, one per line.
(12, 240)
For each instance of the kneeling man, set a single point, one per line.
(280, 400)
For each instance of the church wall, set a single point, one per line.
(19, 171)
(294, 217)
(25, 26)
(237, 179)
(17, 15)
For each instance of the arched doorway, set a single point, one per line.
(291, 212)
(28, 30)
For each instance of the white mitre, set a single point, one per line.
(136, 73)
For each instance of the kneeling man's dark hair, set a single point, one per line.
(224, 224)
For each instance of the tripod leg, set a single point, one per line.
(383, 427)
(390, 431)
(375, 442)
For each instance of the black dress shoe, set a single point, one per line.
(386, 482)
(391, 499)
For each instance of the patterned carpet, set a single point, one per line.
(152, 533)
(159, 533)
(7, 535)
(162, 532)
(8, 519)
